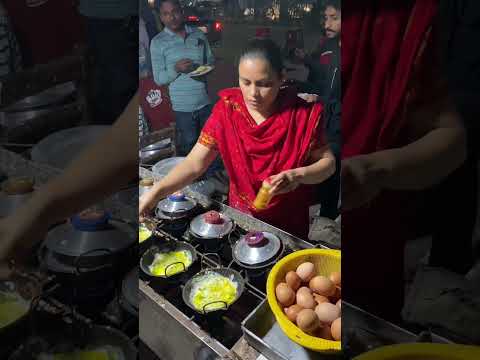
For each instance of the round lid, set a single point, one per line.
(176, 203)
(256, 247)
(96, 235)
(211, 225)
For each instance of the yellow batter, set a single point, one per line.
(211, 288)
(12, 308)
(162, 261)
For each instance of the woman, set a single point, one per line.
(261, 132)
(400, 133)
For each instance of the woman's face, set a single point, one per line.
(259, 84)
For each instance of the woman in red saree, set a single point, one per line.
(400, 133)
(261, 132)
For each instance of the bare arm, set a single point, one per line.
(439, 150)
(194, 165)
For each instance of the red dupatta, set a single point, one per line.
(383, 46)
(252, 153)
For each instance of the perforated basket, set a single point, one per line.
(326, 262)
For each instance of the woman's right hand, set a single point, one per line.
(145, 205)
(18, 234)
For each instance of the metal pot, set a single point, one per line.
(152, 152)
(257, 250)
(175, 206)
(61, 338)
(48, 97)
(10, 203)
(130, 299)
(149, 256)
(227, 272)
(14, 193)
(211, 229)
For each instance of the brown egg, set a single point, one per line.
(336, 329)
(293, 280)
(307, 321)
(306, 271)
(320, 298)
(339, 303)
(337, 295)
(336, 278)
(305, 290)
(327, 312)
(324, 332)
(322, 286)
(285, 295)
(306, 300)
(292, 312)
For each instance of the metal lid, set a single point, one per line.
(69, 240)
(211, 225)
(256, 248)
(176, 203)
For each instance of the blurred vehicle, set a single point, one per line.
(205, 17)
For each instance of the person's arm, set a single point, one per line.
(194, 165)
(322, 166)
(161, 74)
(425, 162)
(100, 170)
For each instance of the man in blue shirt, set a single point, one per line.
(175, 52)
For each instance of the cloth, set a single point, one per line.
(108, 9)
(167, 48)
(251, 153)
(45, 29)
(144, 61)
(383, 50)
(10, 57)
(155, 104)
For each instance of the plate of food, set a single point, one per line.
(201, 70)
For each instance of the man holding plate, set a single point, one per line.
(176, 54)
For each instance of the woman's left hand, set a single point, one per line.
(285, 182)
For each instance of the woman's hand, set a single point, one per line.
(362, 179)
(18, 234)
(285, 182)
(146, 204)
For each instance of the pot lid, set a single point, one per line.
(211, 225)
(256, 247)
(176, 204)
(91, 232)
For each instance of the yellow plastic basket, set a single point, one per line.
(326, 262)
(423, 351)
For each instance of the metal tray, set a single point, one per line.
(263, 333)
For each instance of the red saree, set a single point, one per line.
(252, 153)
(383, 51)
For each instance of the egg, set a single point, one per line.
(327, 312)
(306, 300)
(339, 303)
(320, 298)
(293, 280)
(322, 286)
(306, 271)
(336, 278)
(305, 290)
(307, 321)
(324, 332)
(337, 295)
(285, 295)
(292, 312)
(336, 329)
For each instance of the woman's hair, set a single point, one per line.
(267, 50)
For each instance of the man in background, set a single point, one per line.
(112, 39)
(175, 52)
